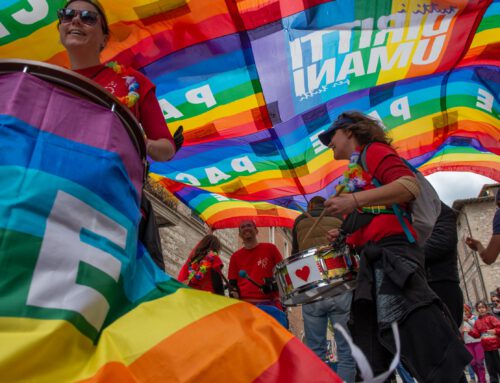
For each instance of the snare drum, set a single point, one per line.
(315, 274)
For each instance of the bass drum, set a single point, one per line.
(53, 99)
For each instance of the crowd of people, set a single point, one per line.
(398, 280)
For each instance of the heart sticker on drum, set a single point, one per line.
(303, 273)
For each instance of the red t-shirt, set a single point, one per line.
(386, 166)
(204, 281)
(258, 263)
(146, 110)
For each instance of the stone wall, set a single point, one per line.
(179, 240)
(478, 280)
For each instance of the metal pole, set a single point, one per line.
(476, 261)
(463, 277)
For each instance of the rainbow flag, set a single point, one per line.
(254, 82)
(81, 300)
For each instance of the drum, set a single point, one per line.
(72, 165)
(316, 273)
(34, 90)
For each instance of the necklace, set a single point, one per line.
(355, 177)
(133, 86)
(198, 269)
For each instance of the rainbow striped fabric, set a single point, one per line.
(81, 300)
(254, 82)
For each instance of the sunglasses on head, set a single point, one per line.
(66, 15)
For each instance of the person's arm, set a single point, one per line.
(392, 193)
(160, 150)
(474, 332)
(217, 282)
(495, 324)
(160, 144)
(488, 254)
(232, 276)
(399, 184)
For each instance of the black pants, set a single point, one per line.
(452, 297)
(492, 359)
(430, 348)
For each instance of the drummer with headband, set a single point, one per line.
(84, 32)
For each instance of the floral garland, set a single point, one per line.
(133, 86)
(198, 269)
(355, 177)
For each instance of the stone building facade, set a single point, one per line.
(475, 218)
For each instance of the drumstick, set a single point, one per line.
(339, 190)
(309, 216)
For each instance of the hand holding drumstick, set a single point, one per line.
(316, 223)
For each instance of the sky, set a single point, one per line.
(451, 186)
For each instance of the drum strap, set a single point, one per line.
(98, 72)
(356, 221)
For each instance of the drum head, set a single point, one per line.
(315, 274)
(83, 87)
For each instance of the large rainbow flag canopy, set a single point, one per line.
(253, 83)
(80, 298)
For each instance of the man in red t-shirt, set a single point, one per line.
(253, 265)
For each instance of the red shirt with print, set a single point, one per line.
(146, 110)
(386, 166)
(258, 263)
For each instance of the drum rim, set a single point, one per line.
(326, 281)
(81, 84)
(321, 283)
(299, 255)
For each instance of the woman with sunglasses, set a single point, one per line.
(84, 32)
(391, 283)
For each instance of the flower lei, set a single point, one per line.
(355, 178)
(133, 86)
(198, 269)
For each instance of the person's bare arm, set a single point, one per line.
(160, 150)
(488, 254)
(392, 193)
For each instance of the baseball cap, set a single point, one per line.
(327, 135)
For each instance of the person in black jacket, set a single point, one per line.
(441, 263)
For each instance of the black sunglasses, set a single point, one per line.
(66, 15)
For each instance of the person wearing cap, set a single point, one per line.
(84, 33)
(489, 254)
(391, 282)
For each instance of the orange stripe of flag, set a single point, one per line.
(235, 344)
